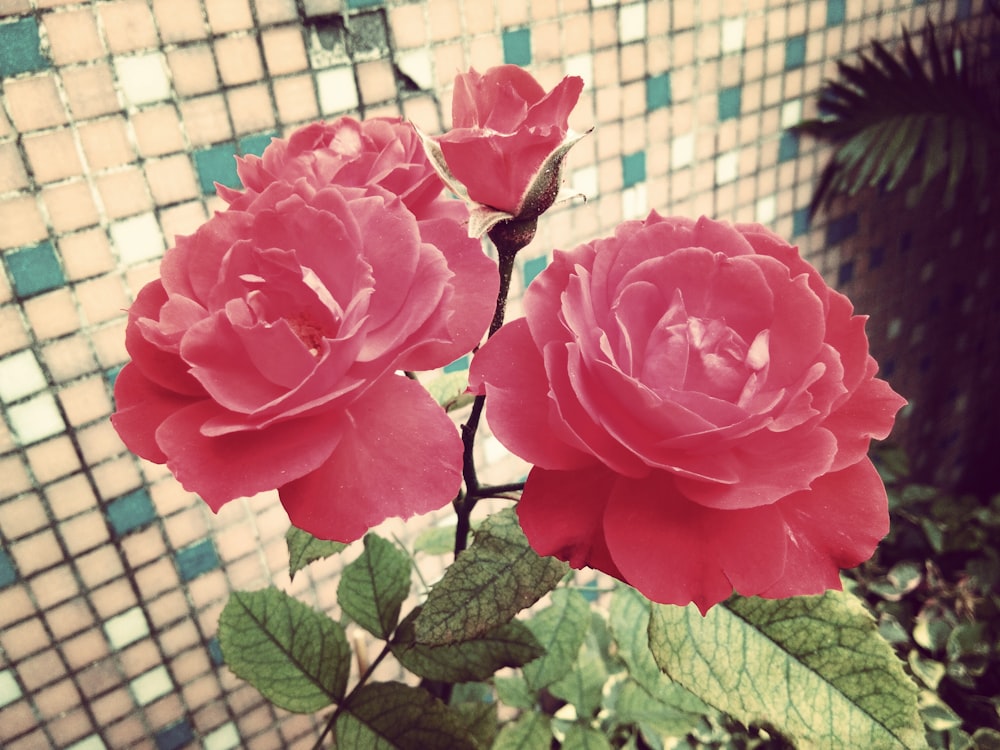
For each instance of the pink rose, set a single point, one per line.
(698, 405)
(266, 355)
(505, 129)
(381, 151)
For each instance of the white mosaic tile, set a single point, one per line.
(727, 167)
(93, 742)
(225, 737)
(682, 151)
(635, 203)
(732, 32)
(126, 628)
(143, 78)
(631, 23)
(791, 113)
(766, 209)
(154, 684)
(10, 691)
(417, 65)
(584, 181)
(337, 90)
(583, 66)
(138, 238)
(36, 419)
(20, 376)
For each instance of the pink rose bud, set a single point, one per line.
(507, 144)
(698, 406)
(267, 354)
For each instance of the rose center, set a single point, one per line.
(310, 333)
(717, 361)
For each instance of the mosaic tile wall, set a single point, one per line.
(118, 117)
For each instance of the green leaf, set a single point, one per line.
(449, 390)
(479, 719)
(437, 540)
(489, 583)
(560, 628)
(814, 667)
(583, 684)
(530, 731)
(304, 548)
(631, 703)
(296, 657)
(373, 587)
(579, 737)
(507, 645)
(393, 716)
(513, 691)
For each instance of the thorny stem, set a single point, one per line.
(466, 500)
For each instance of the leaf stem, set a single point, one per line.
(347, 699)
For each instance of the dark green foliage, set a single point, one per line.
(931, 121)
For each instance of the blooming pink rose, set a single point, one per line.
(381, 151)
(698, 405)
(266, 355)
(504, 128)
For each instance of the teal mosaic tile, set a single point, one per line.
(658, 92)
(197, 559)
(533, 267)
(255, 144)
(216, 164)
(175, 736)
(517, 46)
(633, 169)
(729, 103)
(20, 48)
(841, 228)
(835, 12)
(35, 269)
(215, 652)
(800, 222)
(111, 374)
(788, 146)
(460, 364)
(355, 4)
(131, 511)
(8, 573)
(795, 52)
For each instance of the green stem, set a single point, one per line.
(347, 699)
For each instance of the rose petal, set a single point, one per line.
(562, 514)
(401, 455)
(239, 464)
(675, 551)
(141, 406)
(835, 524)
(508, 369)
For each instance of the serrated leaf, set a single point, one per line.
(814, 667)
(450, 390)
(479, 719)
(393, 716)
(530, 731)
(490, 582)
(437, 540)
(582, 685)
(304, 548)
(507, 645)
(628, 618)
(513, 691)
(296, 657)
(631, 703)
(560, 628)
(373, 587)
(579, 737)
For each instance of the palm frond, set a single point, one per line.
(908, 119)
